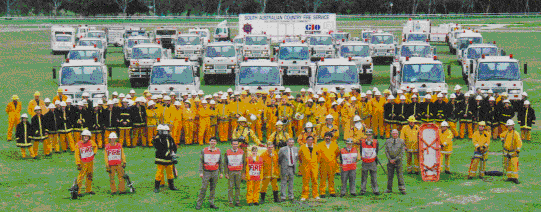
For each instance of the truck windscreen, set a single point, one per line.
(340, 36)
(81, 75)
(417, 37)
(63, 39)
(83, 54)
(381, 39)
(498, 71)
(259, 76)
(220, 51)
(414, 51)
(166, 32)
(171, 75)
(259, 40)
(355, 51)
(320, 40)
(146, 53)
(367, 35)
(335, 75)
(476, 53)
(132, 42)
(464, 42)
(91, 43)
(192, 40)
(294, 53)
(423, 73)
(95, 35)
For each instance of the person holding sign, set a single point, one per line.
(254, 168)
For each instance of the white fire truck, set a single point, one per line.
(294, 59)
(256, 46)
(321, 46)
(334, 73)
(220, 63)
(359, 52)
(166, 36)
(189, 46)
(423, 72)
(77, 77)
(142, 59)
(130, 43)
(259, 75)
(62, 39)
(174, 75)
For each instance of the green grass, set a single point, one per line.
(42, 184)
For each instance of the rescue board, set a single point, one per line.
(429, 152)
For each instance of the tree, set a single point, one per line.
(123, 4)
(9, 4)
(56, 5)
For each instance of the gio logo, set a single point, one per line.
(313, 27)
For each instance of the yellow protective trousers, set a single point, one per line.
(66, 139)
(309, 176)
(151, 133)
(87, 173)
(124, 136)
(53, 142)
(478, 159)
(412, 164)
(119, 172)
(272, 181)
(223, 130)
(445, 161)
(30, 150)
(252, 191)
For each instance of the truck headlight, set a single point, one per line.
(514, 91)
(304, 67)
(197, 52)
(209, 66)
(283, 67)
(265, 52)
(231, 67)
(181, 52)
(248, 52)
(329, 52)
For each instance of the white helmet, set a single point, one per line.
(478, 98)
(378, 93)
(329, 117)
(115, 93)
(150, 103)
(391, 97)
(224, 97)
(277, 96)
(321, 99)
(51, 106)
(86, 133)
(491, 99)
(279, 123)
(308, 125)
(363, 95)
(37, 108)
(132, 91)
(63, 104)
(167, 98)
(112, 135)
(212, 102)
(310, 100)
(177, 103)
(69, 100)
(253, 117)
(524, 94)
(457, 87)
(440, 95)
(164, 92)
(428, 96)
(47, 100)
(204, 101)
(310, 90)
(353, 98)
(229, 90)
(453, 96)
(510, 122)
(242, 119)
(303, 90)
(402, 97)
(490, 91)
(369, 92)
(526, 102)
(86, 94)
(288, 90)
(356, 118)
(128, 96)
(24, 115)
(121, 95)
(399, 91)
(444, 124)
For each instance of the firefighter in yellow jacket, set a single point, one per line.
(330, 127)
(409, 134)
(377, 114)
(152, 122)
(446, 141)
(84, 159)
(280, 136)
(481, 141)
(271, 173)
(511, 149)
(13, 109)
(328, 153)
(308, 160)
(253, 175)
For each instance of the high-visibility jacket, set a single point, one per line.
(114, 155)
(349, 159)
(254, 168)
(301, 139)
(358, 134)
(22, 134)
(327, 128)
(14, 112)
(189, 115)
(364, 109)
(279, 138)
(247, 133)
(85, 152)
(506, 113)
(32, 104)
(328, 155)
(235, 160)
(511, 142)
(309, 114)
(38, 127)
(369, 152)
(204, 114)
(62, 99)
(320, 112)
(481, 139)
(222, 111)
(211, 159)
(410, 136)
(446, 140)
(271, 168)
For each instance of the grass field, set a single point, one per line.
(41, 185)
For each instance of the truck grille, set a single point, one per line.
(499, 90)
(220, 67)
(166, 40)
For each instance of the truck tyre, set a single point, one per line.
(208, 79)
(126, 63)
(133, 83)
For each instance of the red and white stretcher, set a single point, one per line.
(429, 152)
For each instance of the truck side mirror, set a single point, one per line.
(434, 51)
(471, 67)
(197, 71)
(525, 68)
(54, 73)
(394, 71)
(449, 70)
(110, 70)
(503, 53)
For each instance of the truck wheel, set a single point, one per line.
(208, 79)
(126, 63)
(133, 83)
(369, 79)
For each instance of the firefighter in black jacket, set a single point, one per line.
(39, 132)
(452, 111)
(414, 108)
(22, 136)
(401, 113)
(389, 115)
(490, 117)
(478, 112)
(427, 109)
(64, 127)
(80, 122)
(526, 117)
(51, 124)
(165, 157)
(124, 123)
(440, 109)
(139, 118)
(109, 119)
(96, 125)
(505, 113)
(465, 116)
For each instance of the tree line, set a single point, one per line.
(234, 7)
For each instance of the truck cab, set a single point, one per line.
(79, 76)
(85, 53)
(238, 41)
(220, 61)
(221, 33)
(166, 36)
(476, 51)
(359, 52)
(321, 46)
(417, 27)
(416, 36)
(498, 73)
(93, 42)
(174, 75)
(189, 46)
(453, 36)
(340, 37)
(424, 72)
(334, 73)
(414, 49)
(259, 75)
(294, 60)
(99, 34)
(466, 39)
(116, 35)
(130, 43)
(81, 31)
(256, 46)
(133, 31)
(62, 39)
(382, 45)
(143, 58)
(204, 33)
(366, 34)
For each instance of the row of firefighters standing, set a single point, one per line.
(200, 117)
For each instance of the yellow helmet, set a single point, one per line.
(37, 93)
(412, 119)
(15, 97)
(482, 123)
(59, 90)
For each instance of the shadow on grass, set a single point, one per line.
(123, 83)
(121, 65)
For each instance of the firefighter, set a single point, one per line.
(369, 152)
(414, 108)
(479, 113)
(115, 162)
(23, 132)
(440, 110)
(109, 120)
(35, 102)
(280, 136)
(409, 134)
(222, 110)
(347, 112)
(243, 133)
(96, 125)
(84, 159)
(365, 110)
(511, 149)
(188, 118)
(320, 112)
(139, 119)
(401, 113)
(490, 116)
(389, 115)
(446, 140)
(328, 153)
(481, 142)
(466, 115)
(377, 114)
(358, 132)
(271, 112)
(308, 160)
(330, 127)
(236, 109)
(124, 123)
(506, 112)
(79, 120)
(51, 125)
(234, 161)
(285, 114)
(64, 127)
(308, 131)
(176, 121)
(165, 157)
(452, 114)
(427, 108)
(349, 157)
(271, 173)
(394, 148)
(299, 108)
(39, 132)
(13, 109)
(204, 114)
(254, 169)
(60, 97)
(526, 117)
